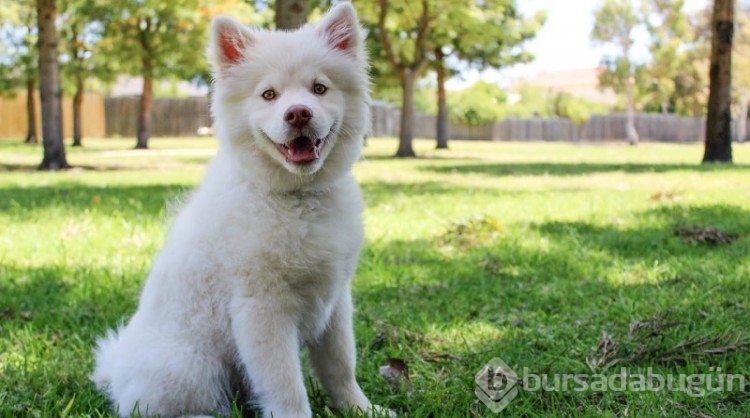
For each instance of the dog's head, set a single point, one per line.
(295, 103)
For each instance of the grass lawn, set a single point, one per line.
(559, 259)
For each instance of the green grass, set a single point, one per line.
(559, 258)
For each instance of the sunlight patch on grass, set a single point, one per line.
(526, 251)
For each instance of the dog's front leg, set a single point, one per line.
(267, 341)
(333, 359)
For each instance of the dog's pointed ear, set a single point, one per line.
(229, 42)
(340, 28)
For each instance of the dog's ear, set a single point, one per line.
(229, 42)
(340, 28)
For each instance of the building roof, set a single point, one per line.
(583, 83)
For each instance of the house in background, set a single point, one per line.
(581, 83)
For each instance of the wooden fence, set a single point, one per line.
(117, 116)
(169, 117)
(13, 120)
(599, 128)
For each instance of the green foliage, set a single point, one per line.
(407, 36)
(674, 77)
(402, 23)
(18, 37)
(485, 102)
(161, 38)
(671, 79)
(566, 106)
(527, 252)
(81, 32)
(614, 23)
(480, 103)
(157, 38)
(485, 34)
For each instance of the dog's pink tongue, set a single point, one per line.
(301, 150)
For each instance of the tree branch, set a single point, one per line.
(383, 35)
(422, 41)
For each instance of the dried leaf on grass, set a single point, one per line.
(644, 342)
(604, 357)
(670, 196)
(10, 313)
(656, 325)
(396, 373)
(710, 236)
(472, 232)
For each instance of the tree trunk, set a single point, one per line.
(144, 113)
(77, 103)
(31, 137)
(442, 108)
(742, 120)
(291, 14)
(405, 149)
(718, 146)
(630, 131)
(50, 89)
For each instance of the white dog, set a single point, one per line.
(259, 261)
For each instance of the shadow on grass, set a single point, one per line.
(382, 192)
(437, 155)
(539, 297)
(52, 315)
(76, 197)
(66, 299)
(109, 167)
(544, 300)
(599, 275)
(576, 169)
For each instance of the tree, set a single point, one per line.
(482, 34)
(156, 39)
(741, 69)
(18, 57)
(669, 29)
(81, 31)
(402, 30)
(291, 14)
(614, 22)
(718, 144)
(50, 88)
(441, 130)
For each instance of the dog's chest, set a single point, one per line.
(308, 242)
(305, 231)
(312, 247)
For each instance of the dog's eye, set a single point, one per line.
(319, 88)
(268, 94)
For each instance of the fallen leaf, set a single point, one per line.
(710, 236)
(396, 373)
(665, 196)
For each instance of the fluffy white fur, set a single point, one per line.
(258, 263)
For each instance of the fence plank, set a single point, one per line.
(13, 120)
(117, 116)
(183, 117)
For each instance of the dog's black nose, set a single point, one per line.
(298, 116)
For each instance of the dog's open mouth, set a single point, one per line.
(302, 149)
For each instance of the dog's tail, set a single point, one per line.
(104, 360)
